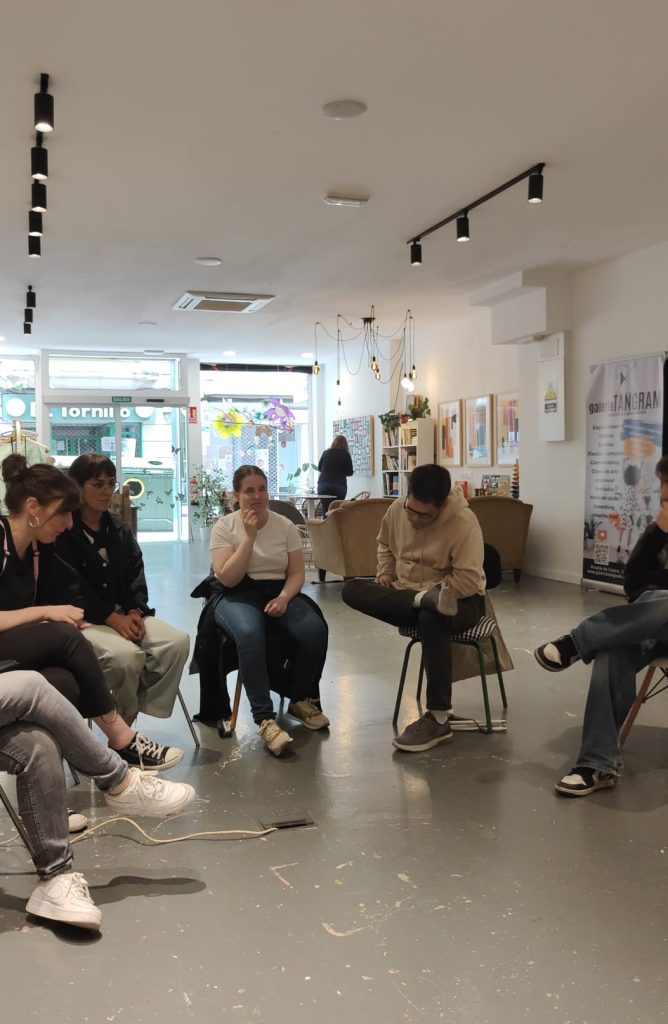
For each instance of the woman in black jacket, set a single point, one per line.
(42, 622)
(142, 657)
(334, 466)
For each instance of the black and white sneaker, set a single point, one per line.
(558, 654)
(150, 756)
(583, 781)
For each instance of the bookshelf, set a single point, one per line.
(409, 445)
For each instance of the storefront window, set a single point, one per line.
(17, 392)
(125, 374)
(258, 417)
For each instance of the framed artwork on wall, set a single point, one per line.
(478, 431)
(450, 433)
(507, 433)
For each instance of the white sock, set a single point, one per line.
(417, 600)
(440, 716)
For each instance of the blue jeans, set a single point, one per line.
(38, 728)
(241, 614)
(620, 641)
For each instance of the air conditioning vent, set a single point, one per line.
(221, 302)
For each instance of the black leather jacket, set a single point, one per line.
(647, 567)
(116, 581)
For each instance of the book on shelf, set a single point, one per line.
(390, 438)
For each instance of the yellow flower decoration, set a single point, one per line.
(229, 424)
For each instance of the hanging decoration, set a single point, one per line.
(386, 355)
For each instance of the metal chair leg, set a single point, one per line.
(402, 680)
(188, 718)
(483, 680)
(497, 663)
(420, 678)
(235, 703)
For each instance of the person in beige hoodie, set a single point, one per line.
(430, 575)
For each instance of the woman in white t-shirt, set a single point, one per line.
(257, 556)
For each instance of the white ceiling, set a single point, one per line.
(187, 130)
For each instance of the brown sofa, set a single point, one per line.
(345, 542)
(505, 524)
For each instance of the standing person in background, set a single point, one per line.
(141, 656)
(334, 466)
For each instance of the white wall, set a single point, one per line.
(620, 309)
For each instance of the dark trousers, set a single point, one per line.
(60, 652)
(436, 630)
(241, 614)
(340, 490)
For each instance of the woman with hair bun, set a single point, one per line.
(38, 629)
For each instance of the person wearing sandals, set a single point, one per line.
(257, 557)
(141, 656)
(39, 629)
(620, 641)
(38, 728)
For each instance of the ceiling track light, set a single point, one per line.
(535, 176)
(35, 224)
(38, 199)
(34, 246)
(39, 159)
(31, 298)
(535, 187)
(463, 228)
(43, 106)
(27, 328)
(27, 316)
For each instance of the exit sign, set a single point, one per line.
(121, 399)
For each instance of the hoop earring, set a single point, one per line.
(33, 525)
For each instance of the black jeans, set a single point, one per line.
(396, 607)
(60, 652)
(340, 490)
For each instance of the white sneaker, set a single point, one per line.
(275, 737)
(76, 822)
(65, 898)
(150, 796)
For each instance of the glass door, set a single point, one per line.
(147, 444)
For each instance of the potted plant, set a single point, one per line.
(305, 468)
(418, 408)
(591, 525)
(208, 495)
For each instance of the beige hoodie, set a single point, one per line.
(449, 548)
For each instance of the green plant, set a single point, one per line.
(390, 420)
(291, 478)
(418, 408)
(208, 493)
(591, 525)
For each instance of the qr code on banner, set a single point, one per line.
(601, 553)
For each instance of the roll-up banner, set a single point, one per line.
(624, 444)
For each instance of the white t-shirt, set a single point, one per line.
(269, 557)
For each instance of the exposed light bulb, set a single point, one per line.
(413, 373)
(405, 383)
(411, 387)
(316, 368)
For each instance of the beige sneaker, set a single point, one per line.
(275, 738)
(308, 712)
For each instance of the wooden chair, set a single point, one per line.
(648, 688)
(477, 637)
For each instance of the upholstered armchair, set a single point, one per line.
(505, 524)
(345, 542)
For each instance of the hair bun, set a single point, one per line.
(14, 467)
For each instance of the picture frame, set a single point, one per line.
(507, 428)
(450, 433)
(478, 445)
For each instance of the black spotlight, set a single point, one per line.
(31, 298)
(34, 246)
(416, 254)
(463, 228)
(39, 160)
(43, 106)
(35, 224)
(27, 316)
(27, 328)
(536, 187)
(38, 199)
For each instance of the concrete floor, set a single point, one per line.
(451, 885)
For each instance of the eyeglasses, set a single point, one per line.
(424, 516)
(104, 485)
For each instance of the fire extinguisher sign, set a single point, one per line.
(192, 414)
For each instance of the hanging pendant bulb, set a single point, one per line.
(374, 364)
(405, 382)
(413, 373)
(316, 368)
